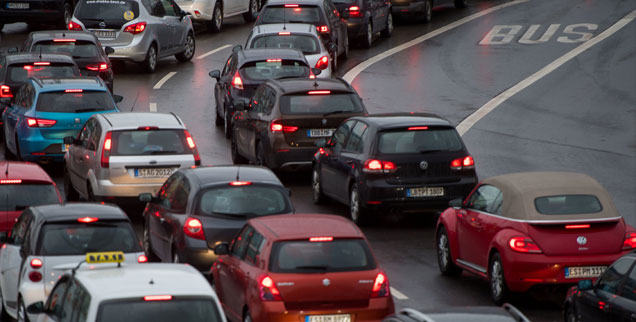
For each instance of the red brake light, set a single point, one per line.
(33, 122)
(275, 126)
(142, 259)
(268, 290)
(5, 91)
(74, 26)
(274, 60)
(87, 219)
(577, 226)
(42, 63)
(284, 33)
(10, 181)
(98, 67)
(380, 286)
(36, 263)
(240, 183)
(378, 166)
(106, 150)
(147, 128)
(237, 82)
(524, 245)
(157, 297)
(319, 92)
(323, 62)
(630, 241)
(194, 228)
(73, 90)
(465, 163)
(193, 147)
(64, 40)
(417, 128)
(321, 239)
(291, 6)
(323, 29)
(136, 28)
(35, 276)
(354, 11)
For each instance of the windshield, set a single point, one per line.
(304, 256)
(422, 141)
(75, 102)
(568, 204)
(242, 200)
(76, 238)
(142, 142)
(176, 309)
(274, 69)
(108, 10)
(308, 44)
(75, 48)
(300, 14)
(20, 196)
(320, 104)
(21, 72)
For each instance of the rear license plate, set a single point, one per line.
(64, 147)
(153, 172)
(328, 318)
(317, 133)
(584, 271)
(105, 34)
(18, 5)
(425, 192)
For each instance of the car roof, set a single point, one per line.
(35, 57)
(256, 54)
(393, 120)
(134, 120)
(73, 211)
(26, 171)
(469, 314)
(301, 226)
(295, 85)
(213, 175)
(300, 2)
(521, 189)
(57, 84)
(290, 27)
(59, 34)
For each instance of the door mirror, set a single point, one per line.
(316, 71)
(216, 74)
(456, 203)
(70, 140)
(146, 197)
(36, 308)
(585, 285)
(109, 50)
(222, 249)
(4, 237)
(118, 98)
(332, 47)
(239, 105)
(322, 143)
(237, 48)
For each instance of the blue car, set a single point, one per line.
(44, 111)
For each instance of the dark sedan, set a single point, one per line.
(199, 208)
(505, 313)
(365, 18)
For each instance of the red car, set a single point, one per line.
(300, 268)
(525, 229)
(23, 184)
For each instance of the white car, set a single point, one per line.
(151, 292)
(212, 12)
(300, 36)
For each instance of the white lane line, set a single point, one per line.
(164, 80)
(153, 107)
(353, 73)
(398, 295)
(468, 122)
(212, 51)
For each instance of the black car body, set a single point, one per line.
(611, 298)
(365, 18)
(505, 313)
(321, 13)
(393, 162)
(248, 68)
(83, 46)
(197, 209)
(422, 9)
(58, 12)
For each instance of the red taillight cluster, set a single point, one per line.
(136, 28)
(5, 91)
(466, 163)
(237, 81)
(74, 26)
(380, 286)
(108, 143)
(524, 245)
(35, 276)
(194, 228)
(10, 181)
(276, 126)
(354, 12)
(323, 29)
(323, 62)
(268, 290)
(379, 166)
(87, 220)
(33, 122)
(98, 67)
(193, 147)
(142, 259)
(157, 297)
(240, 183)
(630, 241)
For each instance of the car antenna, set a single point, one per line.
(237, 172)
(6, 171)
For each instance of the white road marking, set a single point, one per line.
(153, 107)
(164, 80)
(398, 295)
(500, 34)
(527, 37)
(212, 51)
(470, 121)
(584, 36)
(355, 71)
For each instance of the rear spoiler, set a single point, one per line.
(574, 221)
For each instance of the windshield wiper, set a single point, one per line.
(163, 152)
(333, 112)
(317, 267)
(431, 151)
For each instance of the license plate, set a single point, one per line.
(317, 133)
(64, 147)
(584, 271)
(425, 192)
(328, 318)
(153, 172)
(18, 5)
(105, 34)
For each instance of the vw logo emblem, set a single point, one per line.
(581, 240)
(423, 165)
(324, 121)
(326, 282)
(102, 25)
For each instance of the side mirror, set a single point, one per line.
(239, 105)
(585, 285)
(237, 48)
(69, 140)
(4, 237)
(146, 197)
(316, 71)
(322, 143)
(118, 98)
(36, 308)
(222, 249)
(456, 203)
(109, 50)
(332, 47)
(216, 74)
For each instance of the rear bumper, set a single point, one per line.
(275, 311)
(356, 27)
(413, 8)
(135, 51)
(288, 158)
(35, 148)
(106, 188)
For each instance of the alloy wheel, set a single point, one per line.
(496, 278)
(354, 205)
(189, 46)
(442, 250)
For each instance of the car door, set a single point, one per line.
(11, 260)
(78, 157)
(163, 30)
(54, 303)
(250, 268)
(624, 305)
(176, 29)
(222, 86)
(246, 122)
(349, 160)
(231, 276)
(329, 167)
(159, 211)
(338, 27)
(595, 304)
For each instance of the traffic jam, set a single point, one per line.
(370, 160)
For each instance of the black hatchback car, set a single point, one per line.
(393, 162)
(199, 208)
(58, 12)
(365, 18)
(83, 46)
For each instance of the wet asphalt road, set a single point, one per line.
(580, 117)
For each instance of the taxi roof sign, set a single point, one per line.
(104, 257)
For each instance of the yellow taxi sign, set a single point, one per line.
(105, 257)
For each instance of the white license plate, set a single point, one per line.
(153, 172)
(105, 34)
(18, 5)
(317, 133)
(328, 318)
(584, 271)
(425, 192)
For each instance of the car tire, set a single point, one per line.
(67, 15)
(150, 63)
(188, 51)
(570, 315)
(8, 155)
(357, 213)
(334, 64)
(216, 24)
(444, 258)
(497, 281)
(70, 194)
(18, 154)
(247, 317)
(260, 155)
(218, 120)
(427, 15)
(147, 245)
(90, 196)
(366, 40)
(388, 30)
(1, 26)
(461, 4)
(345, 53)
(251, 15)
(236, 157)
(227, 124)
(316, 186)
(21, 315)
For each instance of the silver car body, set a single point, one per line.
(294, 28)
(202, 10)
(121, 178)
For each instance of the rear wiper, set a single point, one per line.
(88, 110)
(322, 268)
(334, 112)
(163, 152)
(100, 20)
(285, 77)
(431, 151)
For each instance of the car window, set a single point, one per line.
(149, 142)
(257, 99)
(331, 11)
(156, 8)
(19, 228)
(355, 144)
(301, 14)
(310, 103)
(243, 201)
(611, 279)
(27, 194)
(419, 141)
(55, 299)
(240, 243)
(75, 101)
(269, 100)
(170, 8)
(114, 11)
(254, 248)
(76, 238)
(568, 204)
(484, 198)
(308, 44)
(20, 73)
(180, 308)
(629, 288)
(274, 69)
(168, 190)
(339, 137)
(226, 68)
(85, 134)
(76, 48)
(69, 303)
(93, 140)
(179, 200)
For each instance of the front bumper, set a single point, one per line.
(275, 311)
(106, 188)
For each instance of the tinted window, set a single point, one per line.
(75, 238)
(86, 101)
(77, 49)
(308, 44)
(355, 144)
(240, 243)
(431, 140)
(243, 200)
(19, 196)
(55, 299)
(611, 279)
(303, 256)
(339, 137)
(320, 104)
(149, 142)
(300, 14)
(629, 289)
(484, 199)
(182, 310)
(108, 10)
(20, 73)
(254, 248)
(568, 204)
(265, 70)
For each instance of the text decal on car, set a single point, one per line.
(105, 257)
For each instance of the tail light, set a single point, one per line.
(354, 11)
(36, 263)
(466, 163)
(33, 122)
(268, 290)
(237, 82)
(276, 126)
(142, 259)
(379, 166)
(157, 297)
(583, 226)
(106, 149)
(10, 181)
(323, 29)
(630, 241)
(35, 276)
(321, 239)
(5, 91)
(193, 147)
(136, 28)
(284, 33)
(194, 228)
(380, 286)
(87, 220)
(74, 26)
(323, 62)
(240, 183)
(524, 245)
(98, 67)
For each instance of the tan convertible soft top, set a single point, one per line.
(521, 189)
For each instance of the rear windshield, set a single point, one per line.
(76, 238)
(567, 204)
(303, 256)
(75, 102)
(320, 104)
(306, 43)
(20, 196)
(301, 14)
(77, 48)
(420, 141)
(274, 69)
(20, 73)
(151, 142)
(176, 309)
(109, 11)
(255, 200)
